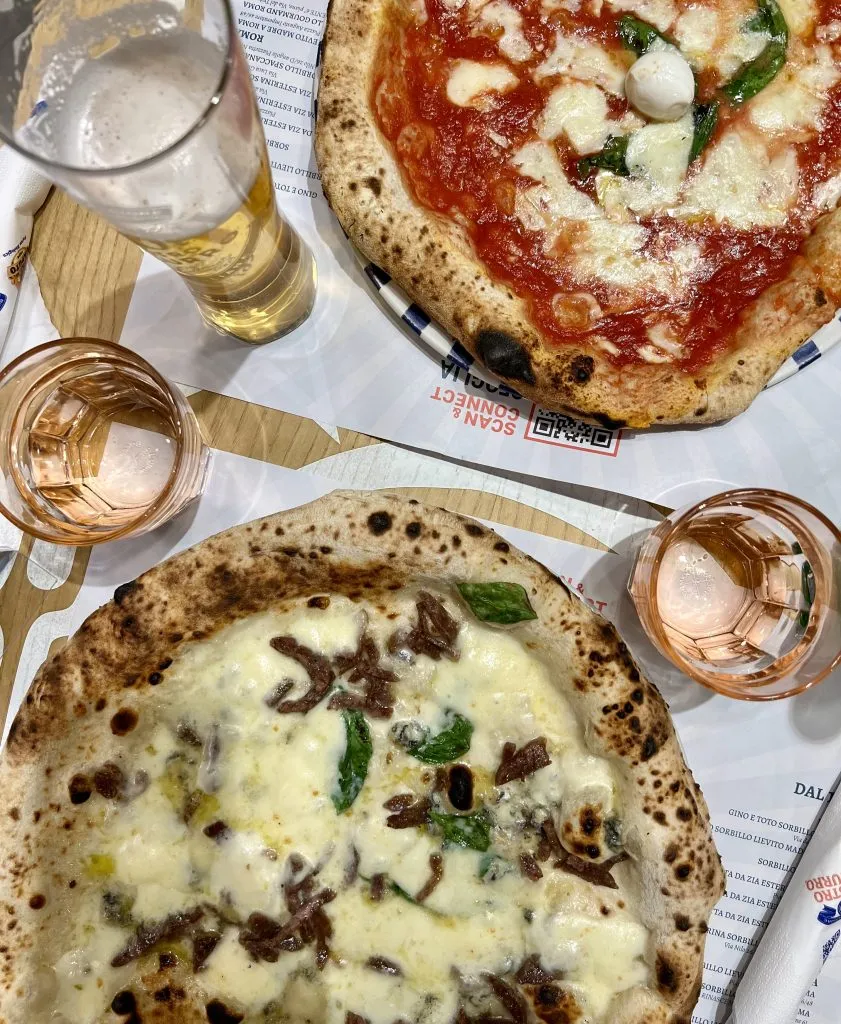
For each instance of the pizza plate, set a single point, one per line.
(442, 345)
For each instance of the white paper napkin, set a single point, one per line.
(802, 933)
(22, 192)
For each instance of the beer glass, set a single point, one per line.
(144, 111)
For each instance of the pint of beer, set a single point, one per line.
(144, 111)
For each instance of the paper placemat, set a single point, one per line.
(350, 364)
(764, 769)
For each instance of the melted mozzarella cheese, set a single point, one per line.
(579, 111)
(799, 15)
(828, 193)
(470, 81)
(659, 13)
(609, 249)
(578, 58)
(614, 252)
(542, 208)
(657, 157)
(230, 973)
(499, 14)
(660, 153)
(86, 983)
(274, 781)
(795, 99)
(695, 30)
(584, 952)
(740, 184)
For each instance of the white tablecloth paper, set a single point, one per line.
(763, 769)
(351, 364)
(22, 193)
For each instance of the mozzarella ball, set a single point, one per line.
(661, 85)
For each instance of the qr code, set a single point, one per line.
(556, 428)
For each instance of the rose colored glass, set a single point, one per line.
(741, 592)
(94, 444)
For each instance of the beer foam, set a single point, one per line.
(136, 100)
(116, 106)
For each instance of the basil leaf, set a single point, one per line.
(449, 744)
(611, 158)
(638, 35)
(752, 77)
(503, 603)
(398, 890)
(471, 831)
(353, 764)
(704, 119)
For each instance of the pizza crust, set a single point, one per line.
(361, 544)
(433, 261)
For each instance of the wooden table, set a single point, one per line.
(87, 273)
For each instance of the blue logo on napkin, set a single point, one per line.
(830, 915)
(2, 300)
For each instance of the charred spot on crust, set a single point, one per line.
(502, 546)
(109, 781)
(80, 788)
(460, 787)
(218, 1013)
(123, 1003)
(682, 923)
(413, 530)
(37, 901)
(474, 530)
(589, 820)
(684, 813)
(581, 369)
(374, 184)
(683, 871)
(322, 601)
(379, 523)
(154, 678)
(666, 977)
(123, 591)
(547, 995)
(820, 297)
(123, 721)
(608, 422)
(649, 748)
(504, 355)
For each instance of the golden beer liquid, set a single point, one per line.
(251, 275)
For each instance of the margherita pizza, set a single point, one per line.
(358, 762)
(624, 208)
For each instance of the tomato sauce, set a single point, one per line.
(453, 166)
